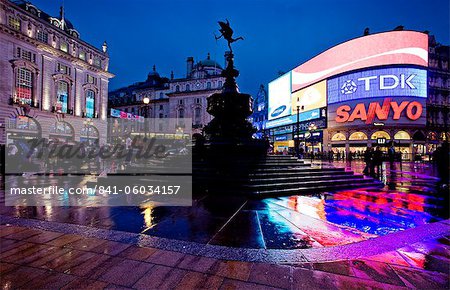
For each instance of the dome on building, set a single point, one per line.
(208, 62)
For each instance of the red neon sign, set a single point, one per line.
(413, 110)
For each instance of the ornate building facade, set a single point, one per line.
(172, 97)
(54, 85)
(259, 115)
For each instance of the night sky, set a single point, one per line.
(279, 35)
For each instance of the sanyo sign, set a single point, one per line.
(388, 82)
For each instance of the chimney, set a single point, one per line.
(171, 75)
(190, 66)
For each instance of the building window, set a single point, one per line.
(64, 69)
(161, 95)
(402, 135)
(161, 115)
(25, 54)
(208, 85)
(180, 102)
(358, 136)
(97, 62)
(161, 107)
(188, 87)
(14, 23)
(380, 134)
(64, 46)
(82, 55)
(177, 88)
(181, 113)
(338, 137)
(62, 98)
(197, 116)
(42, 36)
(24, 86)
(220, 84)
(90, 79)
(90, 103)
(198, 100)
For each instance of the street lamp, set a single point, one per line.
(296, 140)
(146, 101)
(311, 128)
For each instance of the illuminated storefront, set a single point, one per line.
(370, 91)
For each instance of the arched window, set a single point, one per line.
(161, 95)
(208, 85)
(24, 86)
(177, 88)
(358, 136)
(402, 135)
(62, 97)
(198, 116)
(338, 137)
(181, 113)
(188, 87)
(220, 84)
(380, 134)
(90, 104)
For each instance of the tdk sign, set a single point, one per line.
(389, 82)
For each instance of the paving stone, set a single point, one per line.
(110, 248)
(20, 277)
(85, 244)
(304, 279)
(6, 244)
(51, 254)
(23, 255)
(392, 257)
(338, 267)
(80, 283)
(196, 280)
(415, 278)
(229, 284)
(272, 275)
(64, 240)
(137, 253)
(16, 250)
(95, 266)
(126, 272)
(7, 267)
(51, 281)
(23, 234)
(7, 230)
(43, 237)
(196, 263)
(166, 258)
(160, 277)
(60, 261)
(232, 269)
(377, 271)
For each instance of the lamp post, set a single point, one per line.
(296, 140)
(146, 101)
(87, 124)
(311, 128)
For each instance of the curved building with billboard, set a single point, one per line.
(376, 89)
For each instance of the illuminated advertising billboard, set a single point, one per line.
(386, 82)
(312, 97)
(280, 97)
(394, 47)
(378, 111)
(304, 116)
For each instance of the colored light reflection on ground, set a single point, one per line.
(408, 200)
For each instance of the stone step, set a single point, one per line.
(317, 189)
(311, 183)
(304, 178)
(300, 172)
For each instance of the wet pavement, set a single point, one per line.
(409, 199)
(56, 260)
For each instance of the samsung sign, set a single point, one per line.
(305, 116)
(388, 82)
